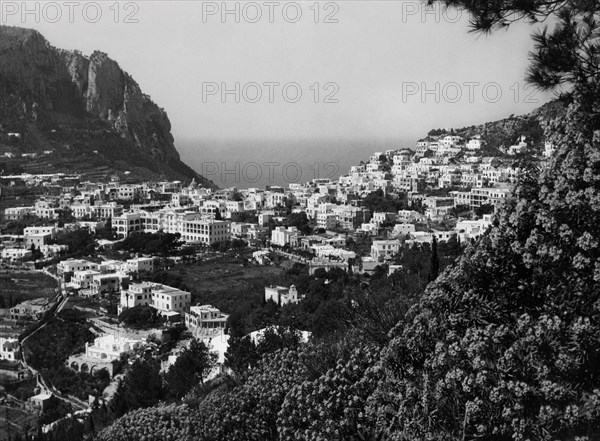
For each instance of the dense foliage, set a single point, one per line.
(162, 423)
(140, 387)
(161, 243)
(377, 201)
(80, 242)
(506, 345)
(141, 317)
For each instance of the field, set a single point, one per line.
(227, 285)
(16, 287)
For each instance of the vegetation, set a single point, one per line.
(18, 287)
(64, 335)
(80, 242)
(378, 202)
(193, 364)
(159, 244)
(141, 387)
(48, 349)
(141, 317)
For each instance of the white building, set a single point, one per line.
(206, 231)
(401, 230)
(9, 349)
(384, 249)
(206, 320)
(72, 265)
(107, 283)
(281, 236)
(83, 279)
(140, 264)
(165, 299)
(281, 295)
(326, 221)
(137, 294)
(475, 143)
(110, 347)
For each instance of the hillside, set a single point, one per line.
(79, 114)
(506, 132)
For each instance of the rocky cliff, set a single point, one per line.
(65, 103)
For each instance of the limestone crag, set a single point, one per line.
(41, 82)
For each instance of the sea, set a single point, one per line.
(259, 163)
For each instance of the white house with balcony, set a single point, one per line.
(205, 320)
(384, 249)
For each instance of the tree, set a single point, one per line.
(141, 387)
(36, 254)
(484, 209)
(108, 232)
(79, 241)
(435, 260)
(568, 54)
(193, 364)
(241, 355)
(140, 317)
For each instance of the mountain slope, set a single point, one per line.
(506, 132)
(85, 113)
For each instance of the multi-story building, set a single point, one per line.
(492, 196)
(205, 320)
(137, 294)
(140, 264)
(83, 279)
(282, 236)
(97, 211)
(350, 218)
(9, 349)
(383, 217)
(30, 231)
(168, 299)
(162, 297)
(206, 231)
(107, 283)
(128, 223)
(46, 210)
(18, 213)
(37, 240)
(384, 249)
(326, 220)
(68, 267)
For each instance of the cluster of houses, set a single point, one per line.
(205, 216)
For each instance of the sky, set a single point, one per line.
(342, 71)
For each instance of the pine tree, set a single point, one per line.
(435, 260)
